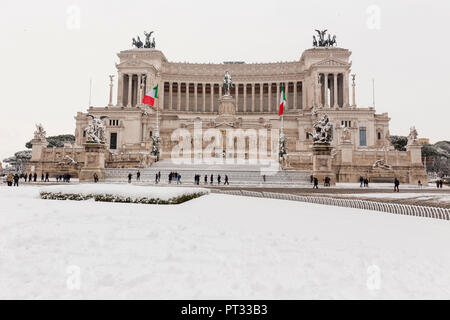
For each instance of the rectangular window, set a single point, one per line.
(113, 141)
(362, 136)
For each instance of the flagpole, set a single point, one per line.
(157, 118)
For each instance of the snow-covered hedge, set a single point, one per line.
(122, 193)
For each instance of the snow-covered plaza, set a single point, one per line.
(214, 247)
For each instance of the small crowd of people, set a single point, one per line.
(363, 182)
(439, 184)
(63, 178)
(315, 182)
(174, 176)
(12, 179)
(197, 178)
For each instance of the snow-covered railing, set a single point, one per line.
(396, 208)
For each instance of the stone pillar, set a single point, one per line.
(236, 94)
(253, 97)
(111, 85)
(94, 161)
(322, 163)
(179, 96)
(295, 96)
(130, 89)
(37, 146)
(212, 98)
(120, 89)
(170, 95)
(261, 97)
(195, 96)
(325, 90)
(335, 90)
(161, 95)
(188, 105)
(286, 93)
(269, 97)
(204, 97)
(138, 90)
(220, 91)
(278, 95)
(345, 89)
(245, 97)
(354, 92)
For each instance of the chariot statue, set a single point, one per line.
(95, 131)
(227, 84)
(137, 43)
(322, 131)
(322, 42)
(148, 41)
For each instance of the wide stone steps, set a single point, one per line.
(236, 175)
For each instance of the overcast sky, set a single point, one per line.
(50, 50)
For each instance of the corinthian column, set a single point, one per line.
(204, 97)
(130, 88)
(325, 90)
(195, 96)
(253, 97)
(170, 95)
(295, 96)
(335, 91)
(245, 97)
(354, 91)
(120, 89)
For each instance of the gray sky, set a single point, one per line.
(48, 55)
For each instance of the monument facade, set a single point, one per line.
(319, 84)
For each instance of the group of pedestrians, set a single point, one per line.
(63, 177)
(197, 178)
(12, 179)
(315, 182)
(363, 182)
(175, 176)
(439, 183)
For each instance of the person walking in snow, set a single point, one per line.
(396, 185)
(95, 177)
(361, 181)
(226, 180)
(211, 180)
(46, 177)
(218, 179)
(129, 177)
(206, 179)
(138, 176)
(316, 183)
(16, 180)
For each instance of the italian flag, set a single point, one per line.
(151, 96)
(282, 102)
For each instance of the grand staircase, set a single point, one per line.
(238, 174)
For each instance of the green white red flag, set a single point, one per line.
(150, 97)
(282, 102)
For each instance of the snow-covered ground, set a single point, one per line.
(216, 246)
